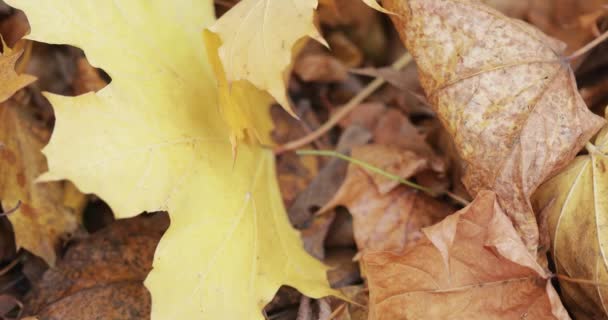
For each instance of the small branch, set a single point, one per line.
(374, 169)
(588, 47)
(344, 111)
(11, 210)
(10, 266)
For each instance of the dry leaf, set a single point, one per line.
(365, 115)
(11, 81)
(294, 172)
(255, 43)
(87, 78)
(472, 265)
(102, 276)
(571, 21)
(386, 216)
(576, 207)
(328, 181)
(44, 219)
(157, 129)
(504, 93)
(320, 68)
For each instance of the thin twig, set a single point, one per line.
(588, 47)
(344, 111)
(6, 213)
(10, 266)
(374, 169)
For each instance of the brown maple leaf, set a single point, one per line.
(503, 91)
(472, 265)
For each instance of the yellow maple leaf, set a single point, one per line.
(576, 208)
(256, 42)
(153, 139)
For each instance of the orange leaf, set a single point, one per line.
(472, 265)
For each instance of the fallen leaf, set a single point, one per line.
(102, 276)
(571, 21)
(7, 304)
(157, 129)
(11, 81)
(320, 68)
(43, 219)
(504, 93)
(395, 129)
(357, 31)
(365, 115)
(574, 203)
(87, 78)
(472, 265)
(256, 45)
(353, 311)
(294, 172)
(328, 181)
(345, 270)
(256, 48)
(14, 28)
(512, 8)
(386, 216)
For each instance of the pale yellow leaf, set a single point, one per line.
(257, 38)
(154, 139)
(575, 203)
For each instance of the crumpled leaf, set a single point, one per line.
(157, 130)
(574, 203)
(386, 216)
(472, 265)
(11, 81)
(43, 219)
(504, 93)
(102, 276)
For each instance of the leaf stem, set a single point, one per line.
(344, 111)
(588, 46)
(370, 167)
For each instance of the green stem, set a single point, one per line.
(371, 168)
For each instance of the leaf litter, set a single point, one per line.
(485, 261)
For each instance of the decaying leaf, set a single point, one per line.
(472, 265)
(576, 207)
(328, 181)
(571, 21)
(320, 67)
(157, 130)
(11, 81)
(43, 219)
(386, 216)
(505, 94)
(102, 276)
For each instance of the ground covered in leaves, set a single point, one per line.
(472, 187)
